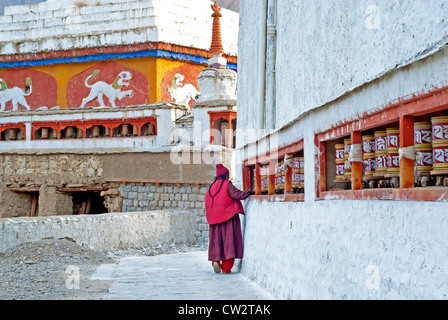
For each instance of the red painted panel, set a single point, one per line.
(180, 85)
(108, 81)
(42, 93)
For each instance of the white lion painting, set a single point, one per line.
(15, 95)
(182, 94)
(112, 91)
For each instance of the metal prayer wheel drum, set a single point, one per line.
(295, 178)
(96, 131)
(264, 178)
(393, 138)
(381, 161)
(340, 151)
(151, 129)
(439, 129)
(347, 146)
(135, 130)
(424, 157)
(369, 162)
(12, 134)
(301, 172)
(368, 144)
(393, 160)
(69, 133)
(44, 133)
(440, 155)
(279, 182)
(422, 133)
(124, 130)
(347, 167)
(381, 141)
(340, 169)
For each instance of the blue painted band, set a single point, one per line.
(110, 56)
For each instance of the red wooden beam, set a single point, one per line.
(407, 177)
(356, 166)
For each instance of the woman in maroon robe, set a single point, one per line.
(222, 207)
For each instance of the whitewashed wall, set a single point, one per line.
(64, 25)
(330, 68)
(328, 48)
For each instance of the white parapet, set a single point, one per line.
(70, 24)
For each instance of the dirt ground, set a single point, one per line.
(50, 269)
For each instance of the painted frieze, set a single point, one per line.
(108, 84)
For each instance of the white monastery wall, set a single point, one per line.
(64, 25)
(332, 70)
(328, 48)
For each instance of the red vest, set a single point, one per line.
(221, 208)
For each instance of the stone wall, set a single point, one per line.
(139, 197)
(104, 232)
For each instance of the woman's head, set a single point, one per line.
(221, 170)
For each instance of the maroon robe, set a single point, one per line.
(226, 240)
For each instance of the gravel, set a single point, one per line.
(50, 269)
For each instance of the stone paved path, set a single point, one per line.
(184, 276)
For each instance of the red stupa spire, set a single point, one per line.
(216, 48)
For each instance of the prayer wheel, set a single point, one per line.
(422, 133)
(380, 141)
(439, 129)
(279, 181)
(124, 130)
(295, 179)
(368, 144)
(135, 130)
(347, 167)
(12, 134)
(44, 133)
(340, 151)
(96, 131)
(369, 162)
(440, 155)
(69, 133)
(424, 157)
(340, 169)
(347, 144)
(264, 178)
(393, 138)
(381, 161)
(301, 172)
(151, 129)
(393, 160)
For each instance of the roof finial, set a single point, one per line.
(216, 48)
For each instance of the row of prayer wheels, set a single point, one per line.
(381, 150)
(73, 132)
(380, 154)
(431, 144)
(297, 177)
(343, 164)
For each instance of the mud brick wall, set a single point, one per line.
(140, 197)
